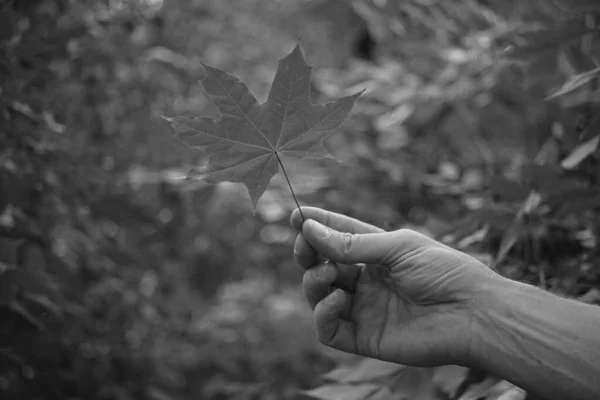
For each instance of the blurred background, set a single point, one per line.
(120, 280)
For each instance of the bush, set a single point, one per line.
(118, 281)
(528, 192)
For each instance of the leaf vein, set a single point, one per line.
(244, 114)
(313, 128)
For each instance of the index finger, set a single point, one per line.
(333, 220)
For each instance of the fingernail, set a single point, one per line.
(297, 247)
(320, 230)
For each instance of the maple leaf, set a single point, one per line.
(247, 143)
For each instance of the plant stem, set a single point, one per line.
(290, 185)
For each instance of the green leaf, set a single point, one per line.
(368, 369)
(347, 392)
(576, 82)
(244, 144)
(580, 153)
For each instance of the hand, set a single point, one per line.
(397, 296)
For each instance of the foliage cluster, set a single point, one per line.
(120, 281)
(111, 275)
(522, 184)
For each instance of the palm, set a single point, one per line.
(395, 308)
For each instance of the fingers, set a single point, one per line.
(338, 222)
(317, 282)
(304, 255)
(332, 329)
(347, 248)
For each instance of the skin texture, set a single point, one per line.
(396, 296)
(403, 297)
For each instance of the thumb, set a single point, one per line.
(348, 248)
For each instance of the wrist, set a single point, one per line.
(495, 302)
(546, 344)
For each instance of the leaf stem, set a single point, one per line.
(290, 185)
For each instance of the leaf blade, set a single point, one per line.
(244, 144)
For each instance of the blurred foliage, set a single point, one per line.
(120, 280)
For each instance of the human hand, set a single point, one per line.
(397, 296)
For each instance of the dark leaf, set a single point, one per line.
(34, 283)
(544, 178)
(415, 384)
(579, 6)
(449, 378)
(9, 249)
(244, 144)
(592, 129)
(19, 309)
(498, 217)
(507, 190)
(575, 201)
(575, 61)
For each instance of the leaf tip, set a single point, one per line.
(206, 71)
(298, 40)
(296, 55)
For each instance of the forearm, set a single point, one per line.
(545, 344)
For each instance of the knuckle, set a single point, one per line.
(411, 238)
(405, 233)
